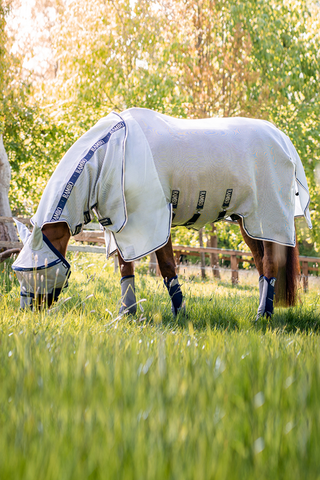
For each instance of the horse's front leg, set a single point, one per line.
(128, 296)
(268, 280)
(167, 267)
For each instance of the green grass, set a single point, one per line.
(88, 395)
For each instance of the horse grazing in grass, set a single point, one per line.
(141, 172)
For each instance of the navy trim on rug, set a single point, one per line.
(56, 252)
(79, 169)
(37, 268)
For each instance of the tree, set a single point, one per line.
(252, 59)
(7, 231)
(185, 58)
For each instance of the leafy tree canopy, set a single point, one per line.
(189, 58)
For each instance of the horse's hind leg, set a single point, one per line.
(282, 263)
(128, 296)
(167, 267)
(265, 260)
(256, 247)
(268, 280)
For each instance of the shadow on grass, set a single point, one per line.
(292, 320)
(239, 286)
(203, 313)
(229, 313)
(230, 310)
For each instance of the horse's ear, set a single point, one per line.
(36, 240)
(24, 232)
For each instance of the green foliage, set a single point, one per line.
(3, 58)
(115, 61)
(34, 144)
(209, 396)
(184, 58)
(8, 278)
(228, 234)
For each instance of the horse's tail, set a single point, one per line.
(288, 276)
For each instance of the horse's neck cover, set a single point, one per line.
(40, 268)
(89, 177)
(110, 171)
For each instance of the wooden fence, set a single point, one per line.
(94, 235)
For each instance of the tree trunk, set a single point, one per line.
(202, 255)
(7, 229)
(214, 258)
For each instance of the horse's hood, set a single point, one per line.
(40, 268)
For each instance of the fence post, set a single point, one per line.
(234, 269)
(305, 273)
(177, 262)
(202, 255)
(214, 257)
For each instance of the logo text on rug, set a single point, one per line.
(175, 198)
(227, 198)
(201, 199)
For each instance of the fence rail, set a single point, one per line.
(93, 234)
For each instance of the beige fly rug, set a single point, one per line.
(141, 172)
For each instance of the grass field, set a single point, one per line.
(88, 395)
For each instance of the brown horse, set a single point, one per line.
(141, 172)
(270, 259)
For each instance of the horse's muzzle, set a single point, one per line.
(40, 301)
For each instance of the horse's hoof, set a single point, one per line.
(179, 311)
(260, 315)
(128, 310)
(268, 315)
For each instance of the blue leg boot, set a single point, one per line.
(266, 288)
(176, 296)
(128, 296)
